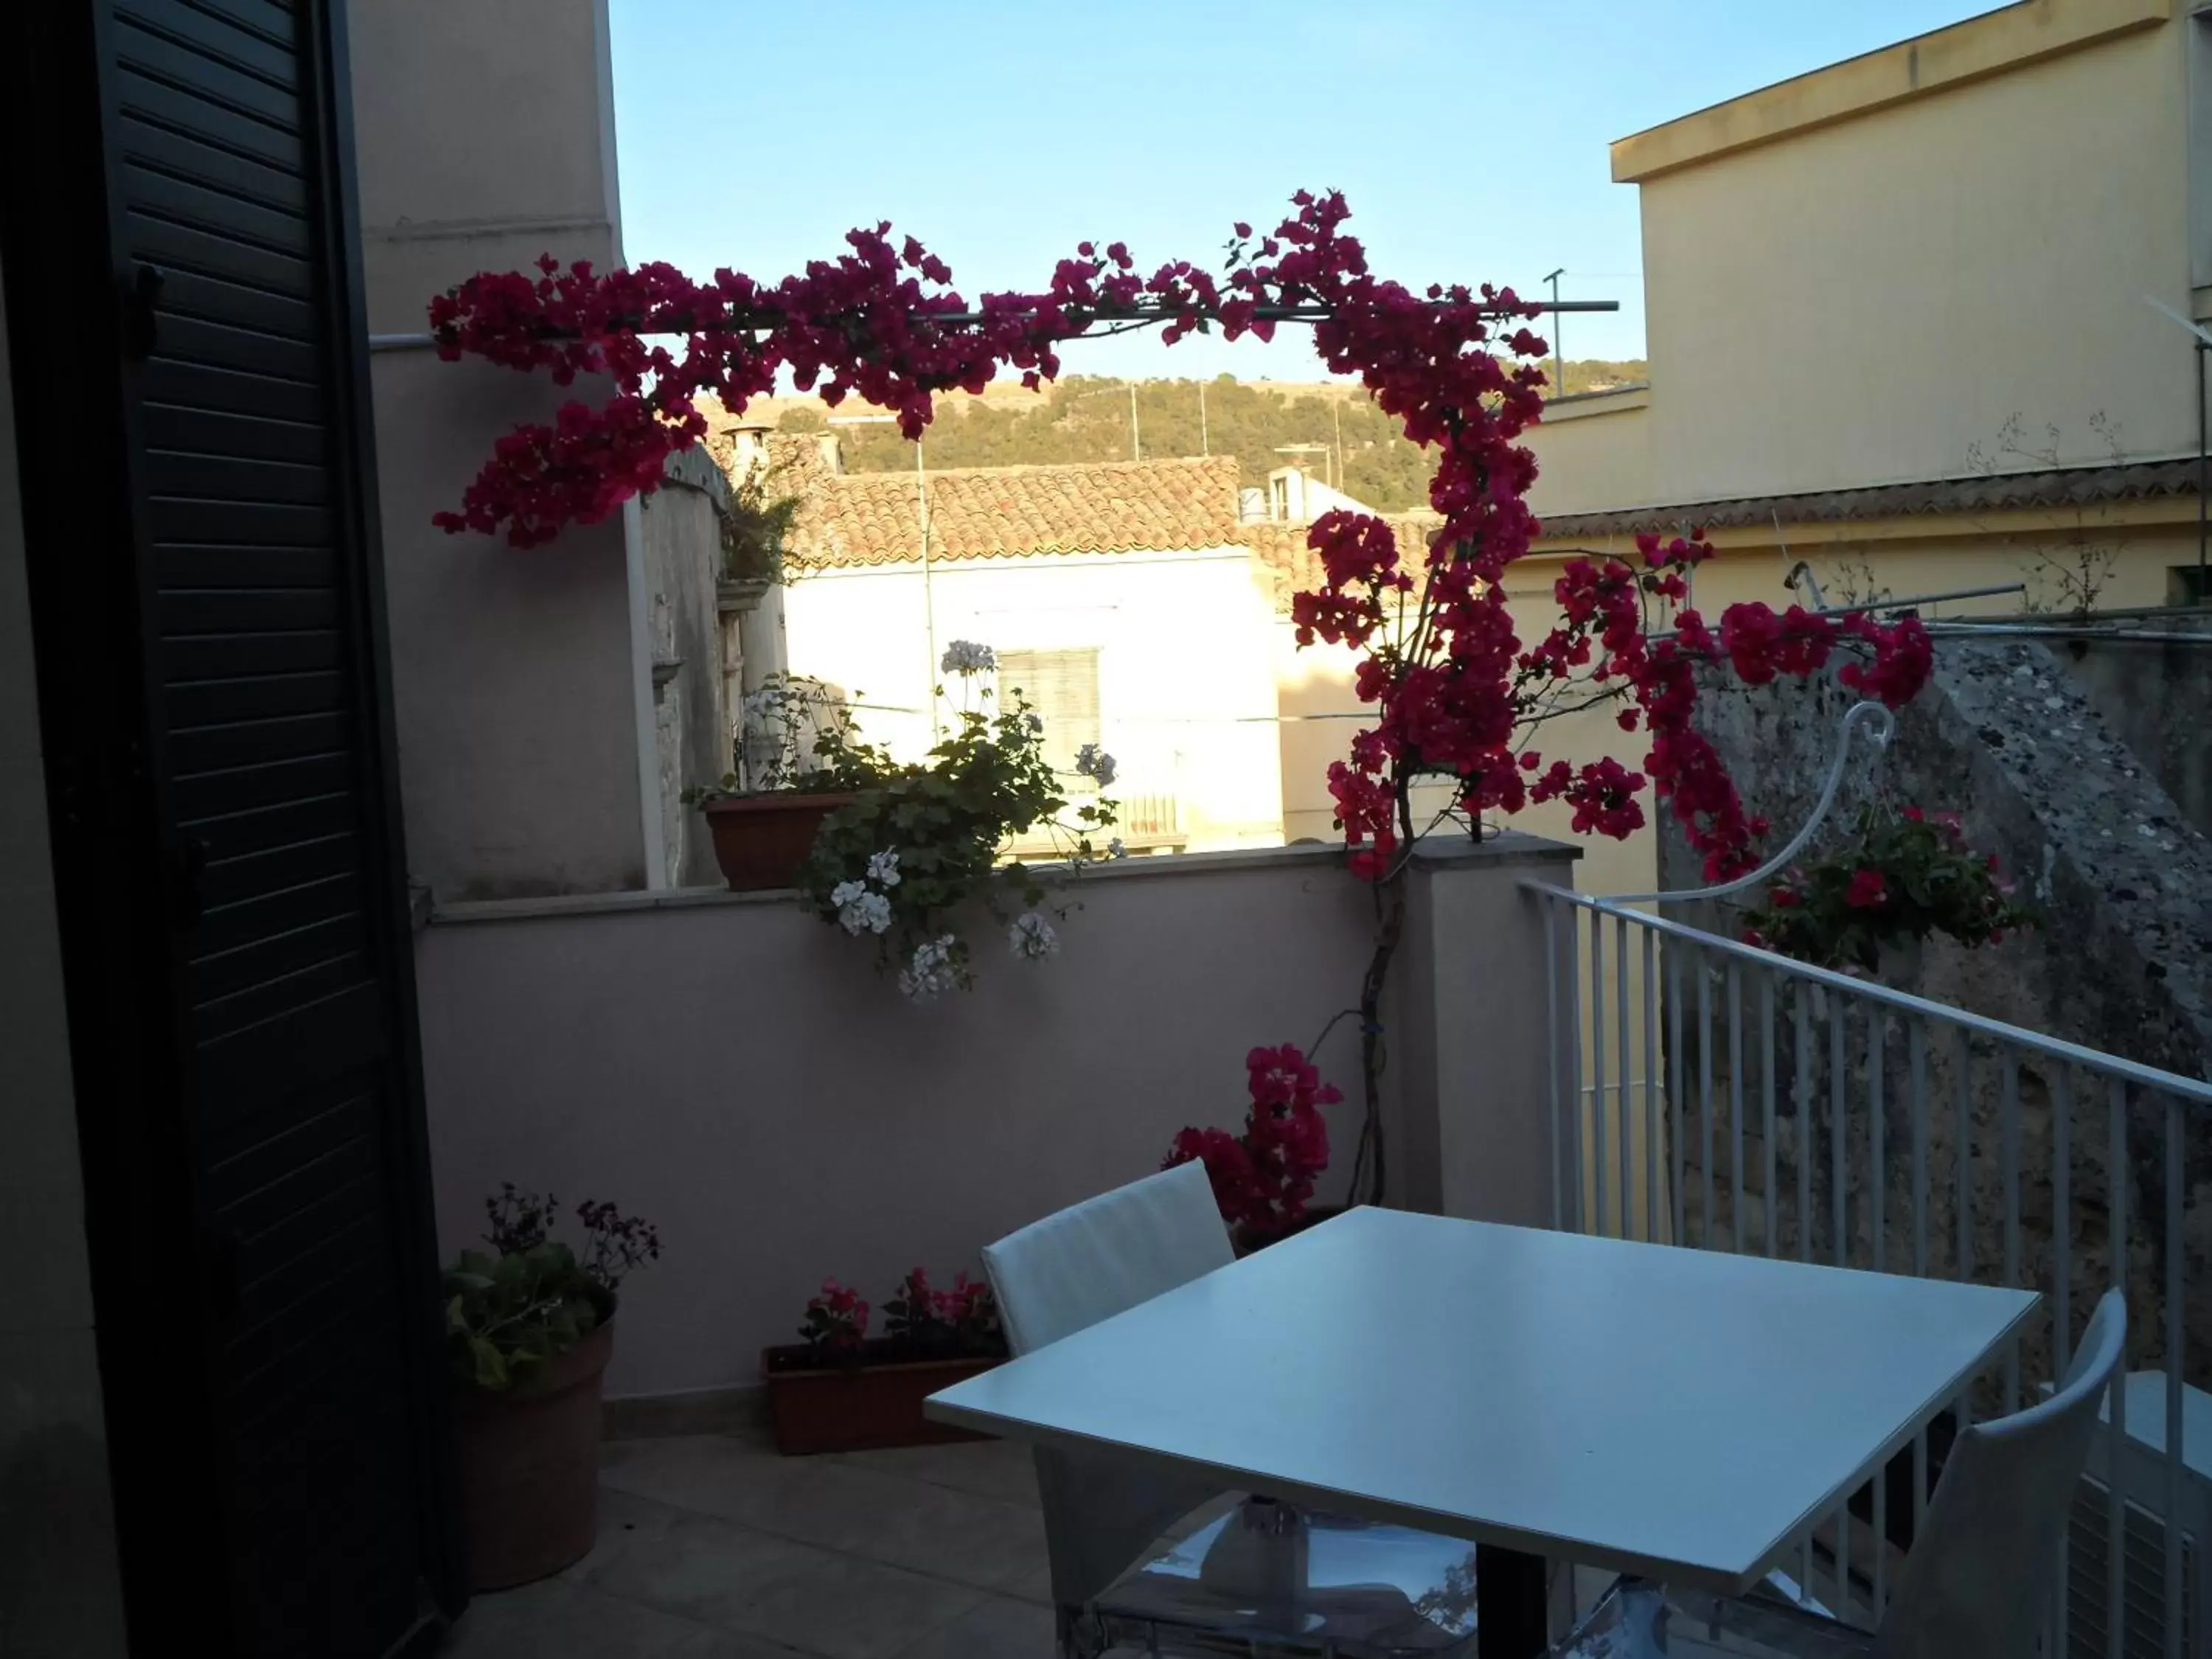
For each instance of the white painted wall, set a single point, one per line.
(1187, 686)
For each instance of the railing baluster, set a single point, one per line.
(1677, 1088)
(1962, 1153)
(1552, 910)
(1838, 1108)
(1735, 1104)
(1597, 1071)
(1769, 1200)
(1878, 1133)
(1917, 1063)
(1802, 1013)
(2176, 1353)
(2061, 1291)
(1573, 980)
(1706, 1101)
(1652, 1138)
(1627, 1120)
(2115, 1461)
(2008, 1152)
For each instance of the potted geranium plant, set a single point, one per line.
(799, 760)
(839, 1389)
(1263, 1180)
(529, 1329)
(1906, 874)
(922, 843)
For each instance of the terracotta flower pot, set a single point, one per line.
(529, 1466)
(760, 841)
(863, 1408)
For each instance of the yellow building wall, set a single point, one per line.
(1861, 302)
(1593, 453)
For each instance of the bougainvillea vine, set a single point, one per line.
(1458, 696)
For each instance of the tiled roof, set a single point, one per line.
(1004, 511)
(1994, 492)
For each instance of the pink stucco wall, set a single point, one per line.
(740, 1072)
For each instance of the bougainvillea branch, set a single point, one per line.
(1459, 699)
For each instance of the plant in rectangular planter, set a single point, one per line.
(800, 759)
(838, 1389)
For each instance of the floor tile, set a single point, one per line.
(999, 1629)
(982, 1541)
(849, 1609)
(625, 1521)
(1005, 1469)
(705, 1569)
(555, 1618)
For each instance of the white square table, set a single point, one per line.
(1679, 1414)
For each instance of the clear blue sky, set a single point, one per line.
(1469, 136)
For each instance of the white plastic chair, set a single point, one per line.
(1142, 1557)
(1977, 1582)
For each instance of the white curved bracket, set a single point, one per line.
(1882, 726)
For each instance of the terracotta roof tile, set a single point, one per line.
(1005, 512)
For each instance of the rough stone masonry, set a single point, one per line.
(2122, 964)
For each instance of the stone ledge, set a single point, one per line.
(1443, 853)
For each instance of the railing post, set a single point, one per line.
(1474, 1047)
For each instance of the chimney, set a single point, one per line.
(832, 451)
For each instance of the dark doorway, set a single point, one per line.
(183, 299)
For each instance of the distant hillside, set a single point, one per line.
(1325, 427)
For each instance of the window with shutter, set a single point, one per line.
(1062, 688)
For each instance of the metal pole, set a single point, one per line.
(2201, 595)
(1206, 449)
(1136, 448)
(1559, 349)
(928, 594)
(1336, 419)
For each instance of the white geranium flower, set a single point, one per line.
(1031, 938)
(930, 973)
(1094, 762)
(859, 910)
(882, 869)
(966, 657)
(1115, 849)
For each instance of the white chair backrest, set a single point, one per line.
(1105, 1255)
(1976, 1584)
(1068, 1271)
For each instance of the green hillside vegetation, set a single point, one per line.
(1087, 418)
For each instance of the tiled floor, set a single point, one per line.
(712, 1548)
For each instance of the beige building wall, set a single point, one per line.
(1187, 687)
(1856, 302)
(521, 678)
(1594, 452)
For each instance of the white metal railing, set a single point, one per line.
(1712, 1094)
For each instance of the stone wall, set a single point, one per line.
(2122, 964)
(2154, 696)
(682, 535)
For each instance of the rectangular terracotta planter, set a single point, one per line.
(862, 1408)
